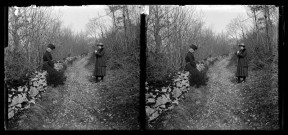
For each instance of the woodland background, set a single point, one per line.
(170, 29)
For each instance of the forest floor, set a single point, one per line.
(216, 106)
(224, 100)
(75, 105)
(80, 101)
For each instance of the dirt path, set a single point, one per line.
(79, 104)
(223, 100)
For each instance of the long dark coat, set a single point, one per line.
(100, 64)
(190, 66)
(242, 66)
(190, 61)
(48, 65)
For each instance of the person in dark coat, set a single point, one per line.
(242, 66)
(47, 58)
(100, 64)
(53, 77)
(191, 66)
(48, 64)
(189, 59)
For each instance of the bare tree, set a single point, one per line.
(237, 28)
(96, 28)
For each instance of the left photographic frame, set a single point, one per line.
(73, 67)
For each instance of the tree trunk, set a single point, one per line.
(268, 27)
(15, 34)
(257, 30)
(157, 30)
(125, 27)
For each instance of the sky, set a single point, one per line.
(77, 17)
(218, 16)
(215, 16)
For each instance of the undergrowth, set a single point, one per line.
(160, 75)
(198, 79)
(119, 95)
(121, 99)
(261, 107)
(178, 118)
(55, 78)
(16, 68)
(33, 117)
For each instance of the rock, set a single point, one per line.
(20, 89)
(170, 107)
(32, 101)
(162, 100)
(179, 84)
(10, 114)
(14, 101)
(150, 100)
(19, 105)
(162, 106)
(149, 110)
(176, 92)
(27, 106)
(33, 91)
(175, 102)
(164, 89)
(153, 116)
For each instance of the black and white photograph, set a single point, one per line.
(212, 67)
(143, 67)
(73, 67)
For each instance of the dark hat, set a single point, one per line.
(242, 44)
(100, 44)
(51, 46)
(194, 47)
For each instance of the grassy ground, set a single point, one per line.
(33, 118)
(179, 117)
(260, 106)
(81, 104)
(209, 107)
(119, 95)
(260, 109)
(70, 106)
(225, 104)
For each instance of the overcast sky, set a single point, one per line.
(215, 16)
(218, 16)
(77, 17)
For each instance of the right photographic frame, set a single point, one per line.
(212, 67)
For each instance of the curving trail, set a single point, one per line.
(224, 100)
(78, 108)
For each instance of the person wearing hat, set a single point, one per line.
(48, 65)
(189, 59)
(47, 57)
(100, 64)
(242, 65)
(191, 65)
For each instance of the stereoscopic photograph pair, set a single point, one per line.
(135, 67)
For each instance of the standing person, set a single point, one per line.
(47, 58)
(48, 64)
(191, 65)
(242, 66)
(189, 59)
(100, 64)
